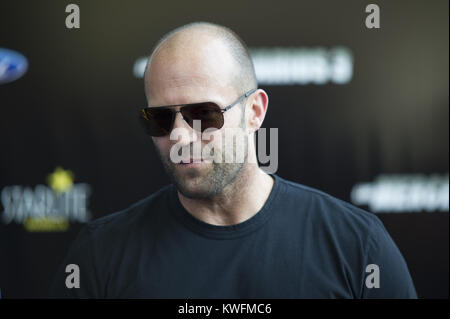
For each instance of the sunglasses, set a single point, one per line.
(158, 121)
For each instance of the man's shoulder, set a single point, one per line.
(321, 205)
(144, 209)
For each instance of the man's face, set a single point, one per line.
(197, 75)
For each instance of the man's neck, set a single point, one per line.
(239, 201)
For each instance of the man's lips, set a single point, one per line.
(194, 160)
(191, 162)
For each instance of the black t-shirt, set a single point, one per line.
(302, 244)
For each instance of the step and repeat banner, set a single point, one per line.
(358, 108)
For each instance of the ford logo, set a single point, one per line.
(12, 65)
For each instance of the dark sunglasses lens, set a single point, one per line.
(208, 113)
(157, 121)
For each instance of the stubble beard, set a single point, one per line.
(207, 182)
(204, 183)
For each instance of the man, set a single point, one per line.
(226, 229)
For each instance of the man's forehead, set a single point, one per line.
(190, 81)
(160, 85)
(188, 89)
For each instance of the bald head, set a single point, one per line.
(199, 53)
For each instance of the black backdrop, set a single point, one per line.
(76, 108)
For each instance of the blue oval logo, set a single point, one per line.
(13, 65)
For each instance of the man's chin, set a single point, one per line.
(192, 182)
(202, 181)
(194, 189)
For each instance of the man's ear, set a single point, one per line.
(256, 110)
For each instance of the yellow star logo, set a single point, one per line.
(60, 180)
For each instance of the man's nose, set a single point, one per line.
(182, 130)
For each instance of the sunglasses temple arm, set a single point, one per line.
(246, 95)
(250, 92)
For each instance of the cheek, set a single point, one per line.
(162, 144)
(233, 121)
